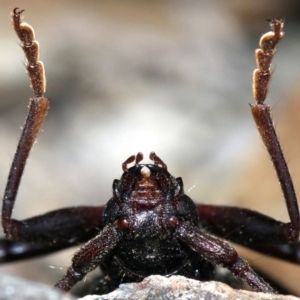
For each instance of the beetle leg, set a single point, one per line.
(264, 123)
(89, 256)
(250, 229)
(220, 252)
(37, 111)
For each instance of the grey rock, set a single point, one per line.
(178, 287)
(15, 288)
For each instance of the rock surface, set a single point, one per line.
(14, 288)
(177, 287)
(151, 288)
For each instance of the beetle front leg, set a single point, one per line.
(89, 256)
(220, 252)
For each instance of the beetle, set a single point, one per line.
(150, 226)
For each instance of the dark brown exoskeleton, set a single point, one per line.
(150, 226)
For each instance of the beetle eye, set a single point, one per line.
(123, 223)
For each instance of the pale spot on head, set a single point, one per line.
(145, 171)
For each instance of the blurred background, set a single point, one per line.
(173, 77)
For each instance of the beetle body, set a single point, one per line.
(145, 202)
